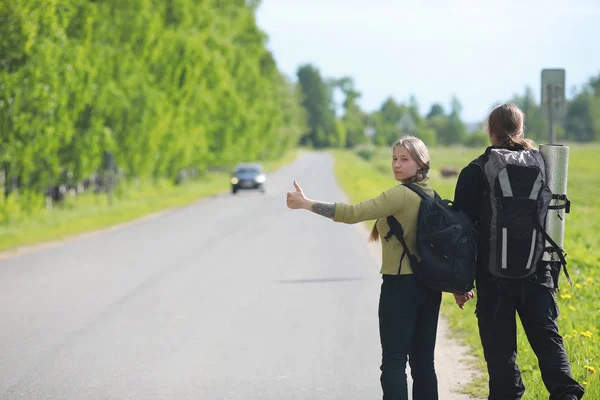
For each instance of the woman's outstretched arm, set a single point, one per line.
(389, 202)
(325, 209)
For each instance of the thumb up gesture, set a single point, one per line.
(296, 199)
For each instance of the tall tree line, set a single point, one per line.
(328, 127)
(157, 87)
(162, 86)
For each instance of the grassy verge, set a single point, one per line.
(367, 176)
(90, 212)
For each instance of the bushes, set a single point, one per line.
(477, 139)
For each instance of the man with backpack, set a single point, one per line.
(504, 191)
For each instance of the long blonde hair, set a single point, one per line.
(420, 154)
(507, 124)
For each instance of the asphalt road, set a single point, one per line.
(233, 297)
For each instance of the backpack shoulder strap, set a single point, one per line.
(397, 231)
(480, 162)
(421, 192)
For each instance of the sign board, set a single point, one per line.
(553, 104)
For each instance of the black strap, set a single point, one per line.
(555, 248)
(566, 205)
(396, 230)
(401, 259)
(417, 189)
(561, 207)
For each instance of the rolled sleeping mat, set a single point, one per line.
(556, 158)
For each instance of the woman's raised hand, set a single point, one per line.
(296, 199)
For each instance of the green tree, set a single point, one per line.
(317, 103)
(354, 119)
(386, 122)
(420, 126)
(449, 129)
(535, 127)
(594, 85)
(583, 118)
(436, 110)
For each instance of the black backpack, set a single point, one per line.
(517, 203)
(446, 242)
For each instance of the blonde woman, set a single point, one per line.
(408, 311)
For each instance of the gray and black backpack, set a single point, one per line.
(519, 199)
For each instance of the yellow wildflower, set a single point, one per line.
(587, 334)
(590, 369)
(585, 383)
(572, 308)
(565, 296)
(578, 286)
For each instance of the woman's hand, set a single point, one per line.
(296, 200)
(461, 299)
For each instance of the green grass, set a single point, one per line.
(90, 212)
(579, 305)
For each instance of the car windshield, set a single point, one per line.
(248, 171)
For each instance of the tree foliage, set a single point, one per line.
(318, 102)
(167, 86)
(164, 86)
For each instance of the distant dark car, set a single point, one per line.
(248, 176)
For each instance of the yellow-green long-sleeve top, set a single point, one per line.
(403, 204)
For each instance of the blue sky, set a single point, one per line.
(481, 51)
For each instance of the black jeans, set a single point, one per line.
(497, 305)
(408, 319)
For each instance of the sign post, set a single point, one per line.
(553, 105)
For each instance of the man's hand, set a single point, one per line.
(461, 299)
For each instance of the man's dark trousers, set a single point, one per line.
(535, 302)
